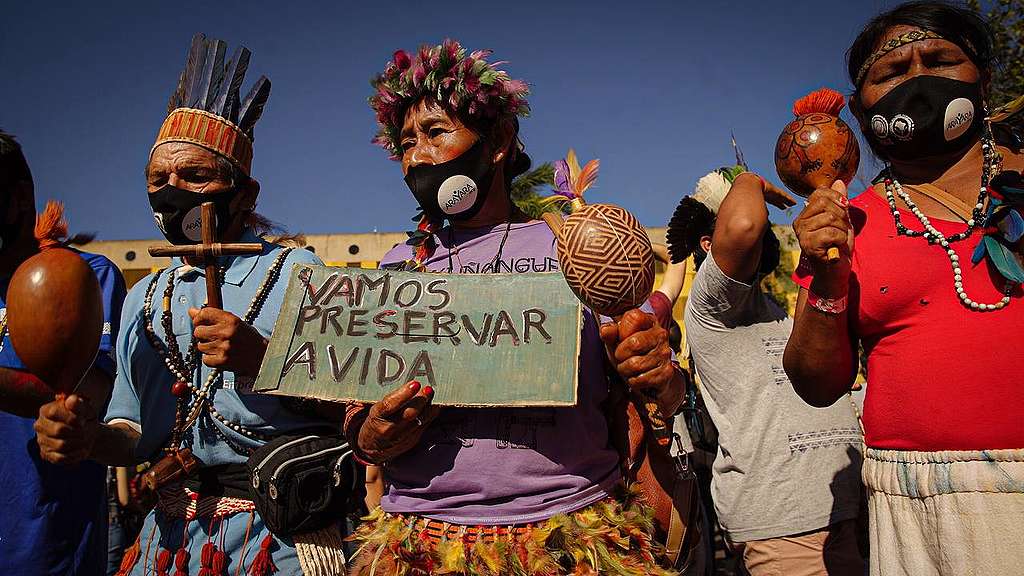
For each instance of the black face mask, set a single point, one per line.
(455, 189)
(925, 116)
(178, 215)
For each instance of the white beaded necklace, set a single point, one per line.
(201, 395)
(893, 188)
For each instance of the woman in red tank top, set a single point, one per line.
(929, 283)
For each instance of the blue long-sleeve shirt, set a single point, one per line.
(54, 519)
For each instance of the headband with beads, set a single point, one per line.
(900, 41)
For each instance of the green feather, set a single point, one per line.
(1004, 260)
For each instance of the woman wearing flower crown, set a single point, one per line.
(489, 490)
(929, 283)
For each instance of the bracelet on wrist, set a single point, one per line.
(827, 305)
(764, 183)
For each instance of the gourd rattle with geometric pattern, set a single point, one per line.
(604, 252)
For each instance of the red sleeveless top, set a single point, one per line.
(940, 376)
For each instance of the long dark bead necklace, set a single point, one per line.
(184, 367)
(990, 168)
(181, 367)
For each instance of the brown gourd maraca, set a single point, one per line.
(55, 308)
(817, 147)
(605, 254)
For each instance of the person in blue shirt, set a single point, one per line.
(184, 367)
(54, 517)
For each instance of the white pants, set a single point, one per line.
(946, 513)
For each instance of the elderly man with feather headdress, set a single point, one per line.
(177, 399)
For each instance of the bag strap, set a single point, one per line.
(629, 431)
(677, 527)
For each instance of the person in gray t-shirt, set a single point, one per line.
(786, 479)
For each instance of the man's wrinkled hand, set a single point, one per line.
(226, 342)
(66, 430)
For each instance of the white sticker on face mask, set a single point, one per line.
(902, 127)
(192, 224)
(456, 194)
(959, 117)
(880, 126)
(159, 219)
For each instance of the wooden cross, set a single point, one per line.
(206, 252)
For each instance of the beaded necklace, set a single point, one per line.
(991, 167)
(183, 368)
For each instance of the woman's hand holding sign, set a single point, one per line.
(395, 424)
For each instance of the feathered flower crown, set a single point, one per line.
(464, 84)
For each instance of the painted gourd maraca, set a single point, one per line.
(606, 257)
(55, 311)
(818, 147)
(604, 252)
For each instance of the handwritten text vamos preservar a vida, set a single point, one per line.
(479, 340)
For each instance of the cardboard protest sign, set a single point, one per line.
(479, 340)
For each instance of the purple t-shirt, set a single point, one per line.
(507, 465)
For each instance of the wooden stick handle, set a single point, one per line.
(211, 247)
(213, 298)
(554, 221)
(200, 251)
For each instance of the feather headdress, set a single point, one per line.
(695, 215)
(460, 82)
(713, 186)
(205, 108)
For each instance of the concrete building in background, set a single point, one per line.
(365, 250)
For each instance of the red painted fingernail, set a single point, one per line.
(428, 390)
(844, 200)
(414, 385)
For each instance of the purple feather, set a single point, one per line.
(1012, 225)
(562, 187)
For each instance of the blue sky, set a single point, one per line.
(653, 89)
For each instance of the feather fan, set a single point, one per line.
(690, 220)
